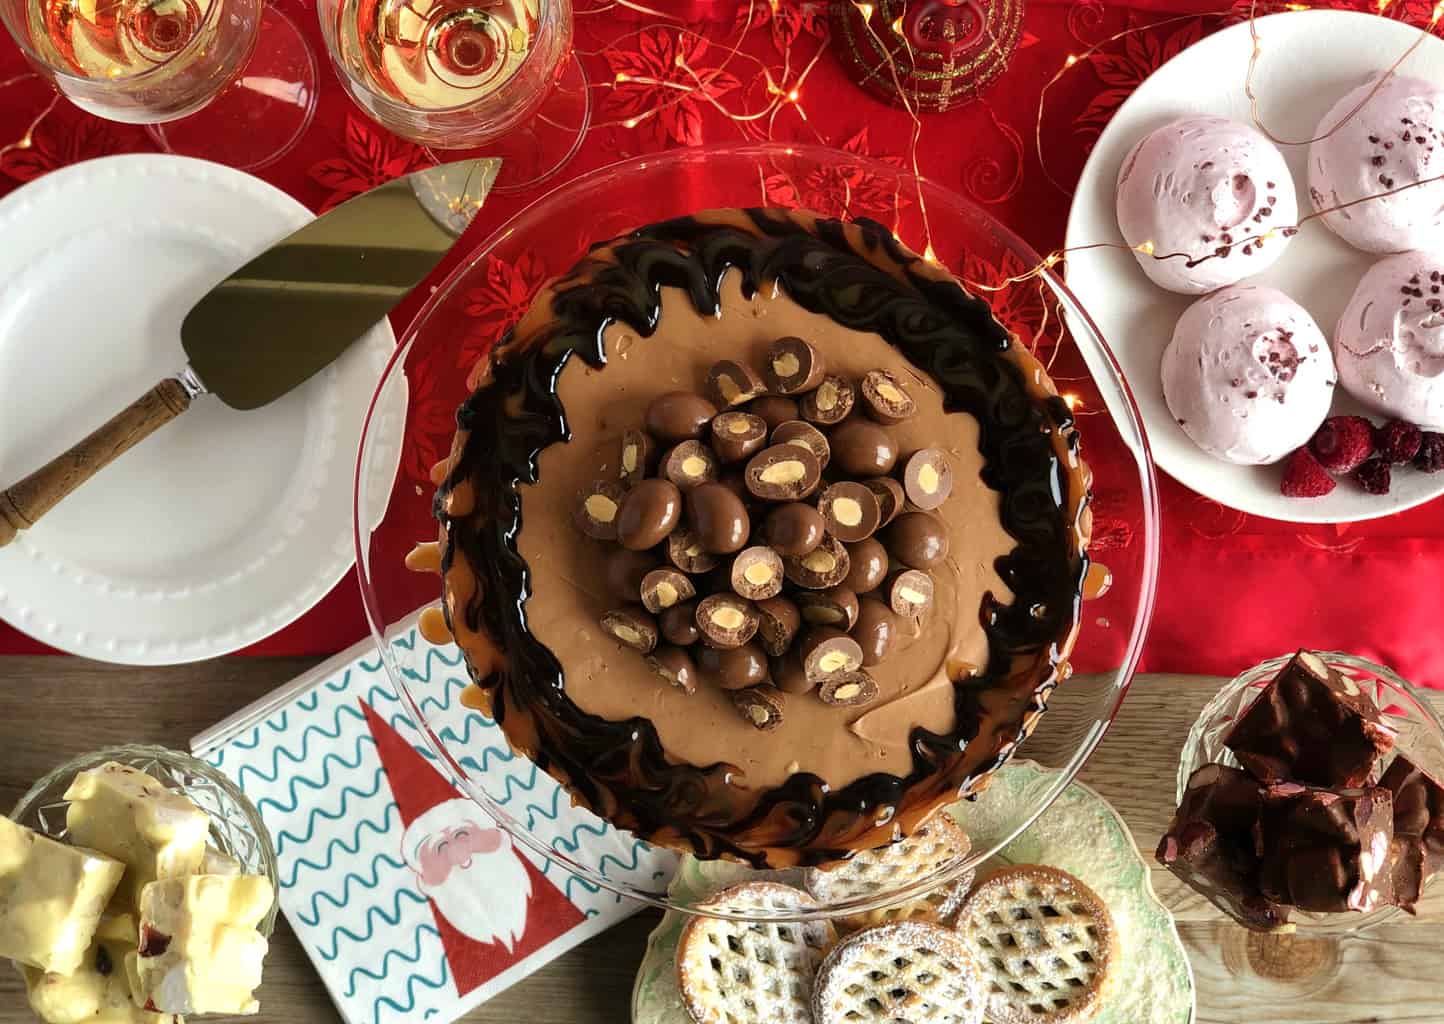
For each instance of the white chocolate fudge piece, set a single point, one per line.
(51, 898)
(199, 949)
(127, 814)
(217, 863)
(98, 992)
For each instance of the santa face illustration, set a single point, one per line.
(468, 868)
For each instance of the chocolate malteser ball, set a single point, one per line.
(774, 410)
(726, 620)
(784, 472)
(868, 565)
(885, 399)
(650, 511)
(738, 435)
(679, 416)
(665, 588)
(910, 593)
(685, 550)
(596, 509)
(788, 676)
(679, 625)
(825, 566)
(928, 478)
(891, 499)
(876, 631)
(689, 464)
(851, 510)
(835, 606)
(718, 518)
(804, 435)
(793, 366)
(763, 706)
(829, 403)
(735, 668)
(778, 621)
(637, 457)
(794, 528)
(826, 652)
(623, 571)
(863, 449)
(674, 665)
(632, 627)
(757, 573)
(916, 539)
(731, 383)
(848, 689)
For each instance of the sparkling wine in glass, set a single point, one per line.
(228, 80)
(494, 76)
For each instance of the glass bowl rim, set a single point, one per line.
(128, 753)
(1006, 239)
(1317, 923)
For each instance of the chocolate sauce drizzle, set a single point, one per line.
(618, 768)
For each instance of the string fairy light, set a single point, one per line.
(27, 138)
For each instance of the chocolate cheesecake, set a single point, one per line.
(762, 536)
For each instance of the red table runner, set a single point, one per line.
(1235, 588)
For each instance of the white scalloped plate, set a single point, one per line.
(223, 526)
(1080, 833)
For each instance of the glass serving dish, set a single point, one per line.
(1419, 737)
(236, 827)
(492, 289)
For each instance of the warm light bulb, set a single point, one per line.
(1146, 248)
(622, 76)
(793, 95)
(866, 10)
(1071, 400)
(1072, 59)
(897, 25)
(929, 254)
(630, 122)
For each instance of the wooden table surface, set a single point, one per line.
(53, 708)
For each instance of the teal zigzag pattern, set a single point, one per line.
(391, 920)
(411, 958)
(351, 849)
(297, 783)
(412, 981)
(362, 882)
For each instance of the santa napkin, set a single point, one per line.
(409, 899)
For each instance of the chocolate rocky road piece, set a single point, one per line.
(835, 606)
(632, 627)
(666, 588)
(917, 540)
(876, 630)
(738, 435)
(848, 689)
(718, 518)
(804, 435)
(650, 511)
(679, 416)
(596, 512)
(1311, 725)
(851, 510)
(825, 566)
(1408, 873)
(623, 572)
(891, 498)
(731, 384)
(1326, 850)
(774, 410)
(761, 705)
(679, 624)
(726, 620)
(778, 621)
(1210, 845)
(757, 573)
(825, 652)
(674, 665)
(784, 472)
(685, 550)
(735, 668)
(829, 403)
(793, 366)
(794, 528)
(788, 675)
(928, 478)
(1418, 809)
(637, 458)
(910, 593)
(885, 398)
(689, 464)
(862, 449)
(867, 565)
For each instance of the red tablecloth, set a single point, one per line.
(1234, 589)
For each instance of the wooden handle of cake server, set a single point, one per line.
(23, 504)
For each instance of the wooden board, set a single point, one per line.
(54, 708)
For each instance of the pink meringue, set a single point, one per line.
(1394, 140)
(1248, 374)
(1389, 341)
(1211, 188)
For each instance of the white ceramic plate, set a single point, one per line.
(1310, 59)
(223, 526)
(1080, 833)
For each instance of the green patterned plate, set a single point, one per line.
(1079, 833)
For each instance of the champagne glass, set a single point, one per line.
(227, 80)
(471, 77)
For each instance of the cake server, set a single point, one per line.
(285, 315)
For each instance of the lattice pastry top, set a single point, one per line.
(752, 972)
(913, 971)
(1046, 943)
